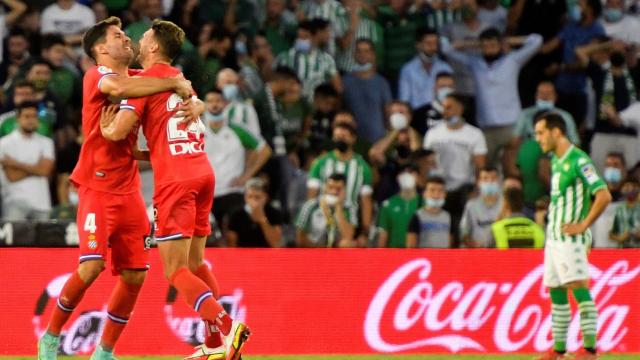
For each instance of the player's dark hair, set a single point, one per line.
(97, 34)
(306, 25)
(338, 177)
(169, 36)
(552, 120)
(515, 199)
(435, 180)
(618, 155)
(325, 90)
(25, 105)
(489, 169)
(408, 167)
(214, 90)
(421, 154)
(318, 24)
(284, 73)
(444, 74)
(459, 98)
(490, 34)
(16, 31)
(401, 103)
(346, 126)
(366, 41)
(50, 40)
(424, 31)
(596, 7)
(39, 61)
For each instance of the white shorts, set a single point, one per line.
(564, 262)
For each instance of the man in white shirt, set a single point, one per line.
(67, 18)
(618, 25)
(237, 111)
(235, 155)
(27, 159)
(461, 150)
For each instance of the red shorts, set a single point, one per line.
(181, 209)
(117, 220)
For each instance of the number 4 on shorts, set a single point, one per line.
(90, 223)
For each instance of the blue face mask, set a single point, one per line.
(489, 188)
(434, 203)
(612, 175)
(230, 92)
(211, 117)
(240, 47)
(454, 120)
(576, 13)
(362, 67)
(613, 15)
(304, 46)
(544, 104)
(443, 93)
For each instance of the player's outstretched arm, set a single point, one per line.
(131, 87)
(602, 200)
(116, 125)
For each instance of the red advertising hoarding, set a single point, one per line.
(303, 301)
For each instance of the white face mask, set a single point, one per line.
(443, 93)
(398, 121)
(407, 181)
(331, 200)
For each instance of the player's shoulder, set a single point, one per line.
(580, 157)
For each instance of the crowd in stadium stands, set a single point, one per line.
(353, 123)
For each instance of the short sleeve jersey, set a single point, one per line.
(103, 165)
(356, 170)
(573, 181)
(173, 144)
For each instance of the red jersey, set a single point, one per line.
(177, 150)
(103, 165)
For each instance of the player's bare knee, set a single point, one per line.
(577, 284)
(90, 270)
(133, 277)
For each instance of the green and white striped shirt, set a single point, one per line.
(333, 12)
(356, 170)
(313, 69)
(243, 114)
(320, 230)
(367, 29)
(573, 181)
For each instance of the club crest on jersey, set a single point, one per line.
(104, 70)
(589, 173)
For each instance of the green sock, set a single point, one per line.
(588, 317)
(560, 318)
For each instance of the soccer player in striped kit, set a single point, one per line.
(574, 182)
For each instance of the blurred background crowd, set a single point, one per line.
(353, 123)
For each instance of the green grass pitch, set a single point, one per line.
(353, 357)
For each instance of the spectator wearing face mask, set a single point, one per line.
(523, 134)
(312, 64)
(430, 114)
(482, 211)
(357, 172)
(366, 93)
(327, 220)
(396, 211)
(257, 223)
(233, 152)
(613, 174)
(496, 77)
(430, 226)
(392, 152)
(626, 221)
(619, 25)
(237, 111)
(461, 151)
(418, 76)
(27, 159)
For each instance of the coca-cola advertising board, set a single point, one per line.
(304, 301)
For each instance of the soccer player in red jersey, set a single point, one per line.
(111, 210)
(184, 187)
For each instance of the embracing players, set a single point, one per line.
(573, 182)
(184, 187)
(111, 210)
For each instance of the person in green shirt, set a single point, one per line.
(626, 221)
(327, 221)
(343, 160)
(515, 230)
(279, 27)
(24, 91)
(64, 84)
(395, 212)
